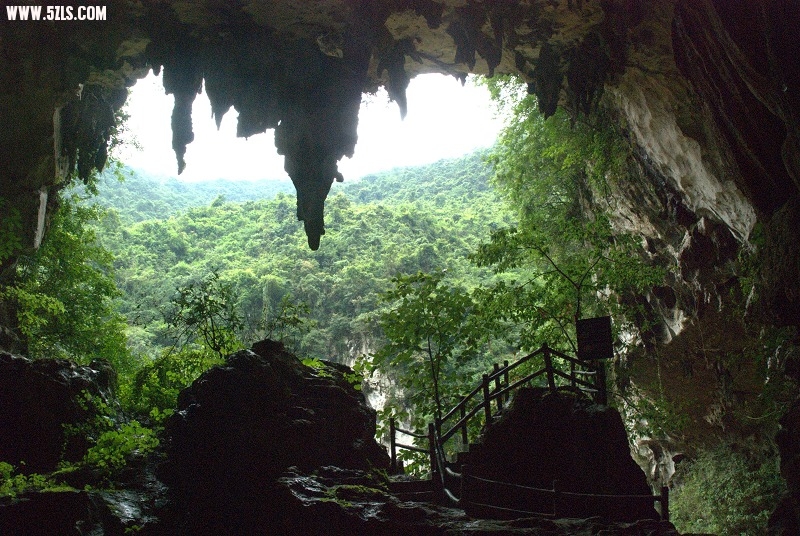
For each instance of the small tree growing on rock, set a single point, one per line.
(432, 344)
(205, 312)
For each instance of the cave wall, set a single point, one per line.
(706, 91)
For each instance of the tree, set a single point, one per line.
(288, 321)
(432, 341)
(204, 312)
(64, 293)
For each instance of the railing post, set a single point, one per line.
(432, 451)
(600, 383)
(464, 496)
(664, 503)
(487, 402)
(464, 436)
(506, 379)
(556, 499)
(392, 446)
(548, 364)
(572, 374)
(497, 386)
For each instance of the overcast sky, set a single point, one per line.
(444, 120)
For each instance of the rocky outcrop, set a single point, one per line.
(241, 425)
(545, 437)
(45, 408)
(739, 59)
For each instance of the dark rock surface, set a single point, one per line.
(38, 399)
(337, 502)
(333, 504)
(63, 513)
(785, 520)
(66, 512)
(564, 437)
(748, 74)
(243, 424)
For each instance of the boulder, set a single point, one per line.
(241, 425)
(40, 401)
(562, 437)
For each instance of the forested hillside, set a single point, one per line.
(402, 221)
(455, 181)
(137, 196)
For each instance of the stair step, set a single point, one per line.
(410, 486)
(422, 496)
(413, 490)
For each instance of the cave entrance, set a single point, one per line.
(445, 120)
(232, 213)
(224, 225)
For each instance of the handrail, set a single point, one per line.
(573, 379)
(511, 484)
(502, 390)
(462, 403)
(496, 387)
(521, 382)
(411, 448)
(555, 493)
(394, 467)
(443, 470)
(410, 433)
(461, 422)
(566, 357)
(517, 363)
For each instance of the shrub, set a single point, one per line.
(726, 491)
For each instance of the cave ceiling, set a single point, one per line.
(707, 91)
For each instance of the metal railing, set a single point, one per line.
(495, 389)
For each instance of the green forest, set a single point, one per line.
(445, 268)
(400, 222)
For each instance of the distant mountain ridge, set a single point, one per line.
(140, 196)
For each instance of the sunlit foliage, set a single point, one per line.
(64, 293)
